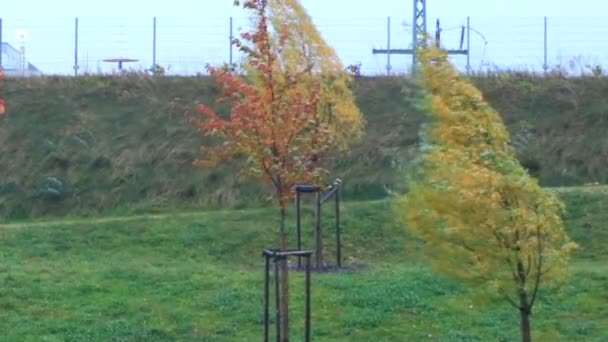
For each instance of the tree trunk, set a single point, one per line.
(284, 280)
(525, 325)
(524, 305)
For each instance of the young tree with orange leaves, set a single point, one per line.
(288, 110)
(481, 217)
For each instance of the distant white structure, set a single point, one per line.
(14, 63)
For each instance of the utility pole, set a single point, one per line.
(419, 36)
(419, 32)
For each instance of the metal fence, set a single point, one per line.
(183, 46)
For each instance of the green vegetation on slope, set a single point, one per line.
(198, 277)
(90, 145)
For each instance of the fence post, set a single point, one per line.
(266, 296)
(468, 45)
(277, 298)
(338, 241)
(76, 67)
(154, 43)
(388, 46)
(307, 305)
(298, 226)
(230, 50)
(545, 65)
(318, 233)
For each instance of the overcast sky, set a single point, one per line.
(333, 8)
(192, 33)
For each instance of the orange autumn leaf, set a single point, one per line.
(279, 118)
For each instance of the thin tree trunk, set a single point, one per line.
(524, 305)
(525, 325)
(284, 280)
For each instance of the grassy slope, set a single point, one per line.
(559, 123)
(125, 145)
(198, 276)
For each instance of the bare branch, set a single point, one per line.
(511, 301)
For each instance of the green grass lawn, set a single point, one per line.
(198, 277)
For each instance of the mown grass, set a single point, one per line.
(198, 277)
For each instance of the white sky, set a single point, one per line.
(191, 33)
(333, 8)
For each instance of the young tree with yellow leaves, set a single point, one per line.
(291, 107)
(481, 217)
